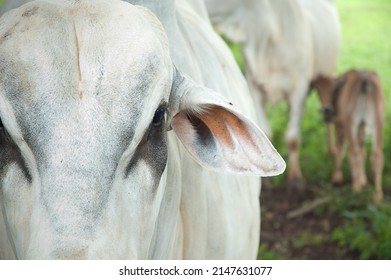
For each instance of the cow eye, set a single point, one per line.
(159, 117)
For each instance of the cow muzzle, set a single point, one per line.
(327, 113)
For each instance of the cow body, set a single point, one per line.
(106, 144)
(286, 45)
(354, 105)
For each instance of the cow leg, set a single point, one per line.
(363, 154)
(338, 154)
(294, 171)
(355, 158)
(330, 140)
(296, 107)
(377, 160)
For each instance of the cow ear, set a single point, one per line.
(219, 137)
(339, 84)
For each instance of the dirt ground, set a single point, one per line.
(305, 236)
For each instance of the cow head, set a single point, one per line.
(328, 90)
(88, 99)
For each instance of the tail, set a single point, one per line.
(365, 83)
(364, 86)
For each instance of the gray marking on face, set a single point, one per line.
(10, 153)
(9, 32)
(30, 12)
(152, 150)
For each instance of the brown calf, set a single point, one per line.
(354, 104)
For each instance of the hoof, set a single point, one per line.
(337, 183)
(337, 179)
(377, 197)
(357, 187)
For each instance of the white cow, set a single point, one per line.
(286, 44)
(105, 144)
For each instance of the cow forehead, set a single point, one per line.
(79, 67)
(88, 47)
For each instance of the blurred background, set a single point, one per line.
(329, 222)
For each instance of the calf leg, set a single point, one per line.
(355, 158)
(330, 139)
(338, 153)
(377, 160)
(363, 154)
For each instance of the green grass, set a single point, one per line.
(367, 231)
(264, 254)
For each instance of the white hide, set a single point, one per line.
(90, 170)
(286, 44)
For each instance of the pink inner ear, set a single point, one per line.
(220, 140)
(224, 125)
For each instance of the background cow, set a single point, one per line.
(354, 103)
(286, 44)
(92, 104)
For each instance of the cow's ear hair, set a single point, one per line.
(218, 136)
